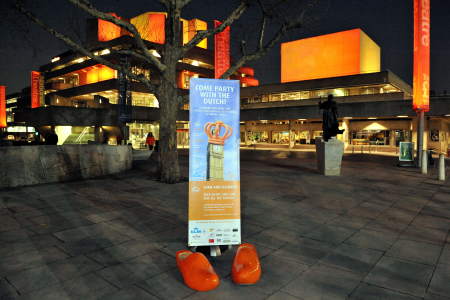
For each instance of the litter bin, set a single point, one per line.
(430, 157)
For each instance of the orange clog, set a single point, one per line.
(246, 267)
(197, 272)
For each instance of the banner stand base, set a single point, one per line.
(212, 250)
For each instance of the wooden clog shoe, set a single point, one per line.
(246, 267)
(197, 272)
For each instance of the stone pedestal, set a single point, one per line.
(329, 156)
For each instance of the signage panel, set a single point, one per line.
(406, 150)
(221, 50)
(421, 76)
(2, 106)
(214, 174)
(35, 89)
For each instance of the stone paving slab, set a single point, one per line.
(376, 232)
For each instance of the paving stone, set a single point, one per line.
(371, 292)
(322, 282)
(351, 258)
(88, 287)
(420, 252)
(138, 269)
(349, 221)
(431, 222)
(277, 272)
(423, 234)
(54, 292)
(168, 285)
(331, 234)
(431, 296)
(130, 293)
(372, 239)
(7, 291)
(228, 290)
(306, 251)
(30, 259)
(445, 256)
(274, 238)
(440, 281)
(32, 279)
(73, 267)
(400, 275)
(8, 223)
(282, 296)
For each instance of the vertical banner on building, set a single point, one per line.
(125, 101)
(35, 89)
(2, 106)
(421, 76)
(221, 50)
(214, 176)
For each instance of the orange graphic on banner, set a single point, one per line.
(2, 106)
(221, 50)
(421, 77)
(212, 130)
(214, 200)
(35, 89)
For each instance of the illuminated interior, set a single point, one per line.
(314, 94)
(338, 54)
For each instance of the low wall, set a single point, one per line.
(28, 165)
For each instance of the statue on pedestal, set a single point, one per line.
(330, 124)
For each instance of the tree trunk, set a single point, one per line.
(168, 107)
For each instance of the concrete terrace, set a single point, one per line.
(376, 232)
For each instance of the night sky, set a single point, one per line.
(24, 47)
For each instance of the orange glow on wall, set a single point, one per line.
(2, 106)
(98, 73)
(421, 69)
(338, 54)
(108, 31)
(247, 71)
(35, 89)
(190, 28)
(249, 81)
(151, 26)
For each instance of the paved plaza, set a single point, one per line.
(376, 232)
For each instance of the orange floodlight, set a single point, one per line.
(338, 54)
(108, 31)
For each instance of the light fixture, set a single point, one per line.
(402, 116)
(348, 117)
(447, 115)
(105, 51)
(55, 59)
(371, 118)
(155, 53)
(302, 119)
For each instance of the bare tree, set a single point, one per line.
(275, 19)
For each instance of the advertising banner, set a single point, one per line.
(221, 50)
(214, 173)
(406, 150)
(36, 89)
(2, 106)
(421, 76)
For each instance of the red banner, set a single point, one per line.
(221, 50)
(2, 106)
(35, 89)
(421, 77)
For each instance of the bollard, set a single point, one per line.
(424, 162)
(441, 167)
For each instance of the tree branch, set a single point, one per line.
(81, 49)
(86, 6)
(202, 34)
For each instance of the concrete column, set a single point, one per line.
(98, 135)
(441, 176)
(420, 130)
(346, 134)
(291, 134)
(424, 162)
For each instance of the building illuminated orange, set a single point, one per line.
(108, 31)
(35, 89)
(190, 29)
(2, 106)
(99, 73)
(421, 69)
(338, 54)
(151, 26)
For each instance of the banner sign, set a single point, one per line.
(221, 50)
(36, 89)
(406, 150)
(2, 106)
(214, 175)
(421, 76)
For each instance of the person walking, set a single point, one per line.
(150, 141)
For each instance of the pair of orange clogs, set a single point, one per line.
(199, 275)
